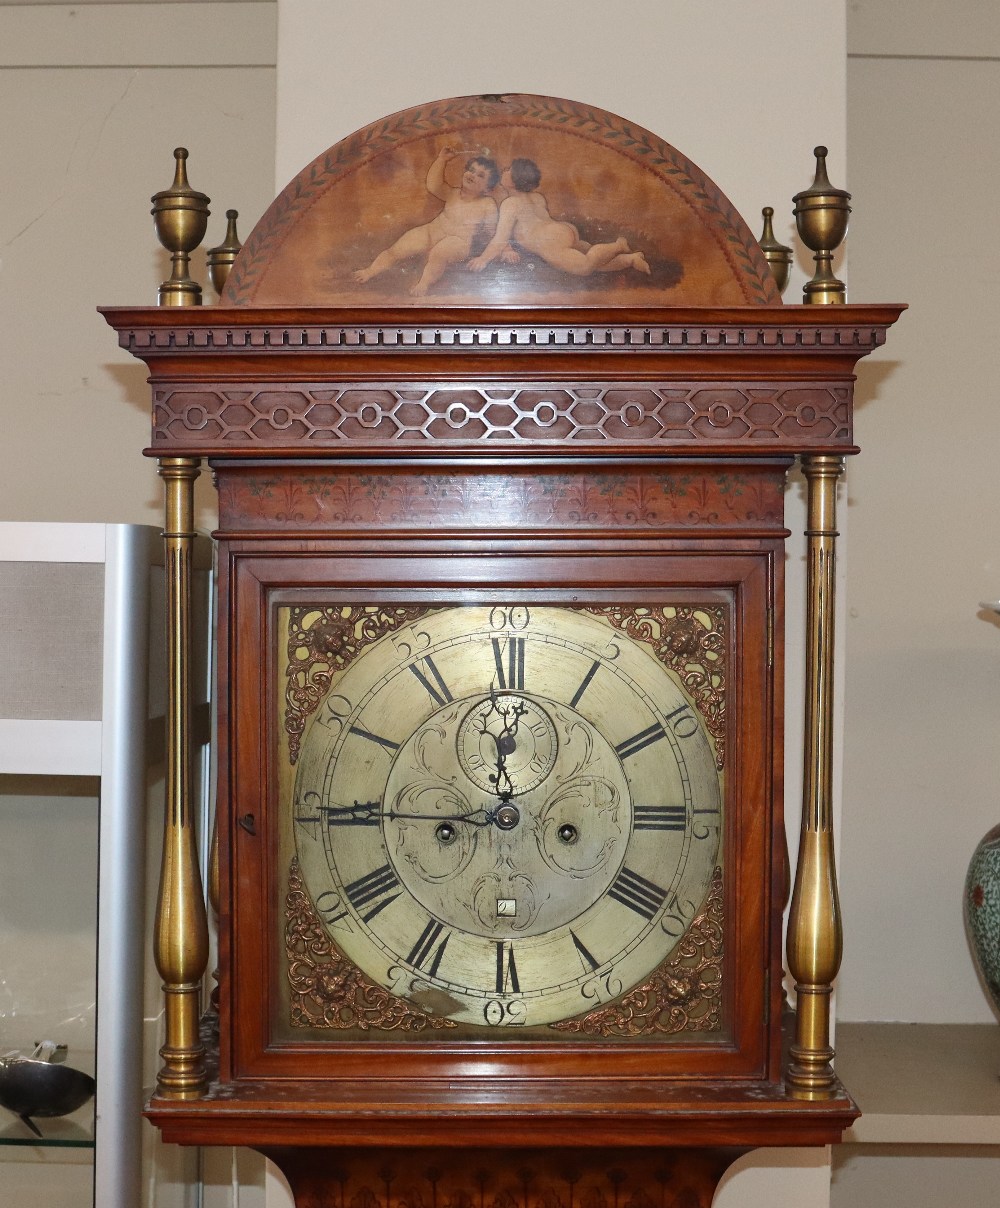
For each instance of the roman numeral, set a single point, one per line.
(659, 817)
(585, 684)
(638, 742)
(438, 690)
(506, 969)
(589, 961)
(424, 948)
(375, 888)
(382, 742)
(638, 894)
(510, 670)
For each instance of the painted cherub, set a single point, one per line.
(447, 239)
(525, 220)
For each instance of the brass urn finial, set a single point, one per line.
(777, 255)
(221, 259)
(180, 216)
(821, 214)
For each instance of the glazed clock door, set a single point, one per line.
(504, 819)
(505, 813)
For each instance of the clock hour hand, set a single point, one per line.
(370, 813)
(480, 817)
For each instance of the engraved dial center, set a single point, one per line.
(460, 847)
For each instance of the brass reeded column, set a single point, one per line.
(815, 942)
(181, 929)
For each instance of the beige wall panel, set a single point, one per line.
(103, 35)
(923, 710)
(79, 167)
(873, 1176)
(967, 28)
(64, 1185)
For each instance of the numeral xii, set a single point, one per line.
(508, 655)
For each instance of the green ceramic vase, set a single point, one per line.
(982, 910)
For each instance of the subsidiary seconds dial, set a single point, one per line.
(507, 744)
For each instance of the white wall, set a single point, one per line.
(921, 779)
(95, 99)
(922, 701)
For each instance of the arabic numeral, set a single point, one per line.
(336, 710)
(602, 989)
(683, 722)
(408, 641)
(678, 916)
(517, 617)
(701, 830)
(511, 1014)
(331, 909)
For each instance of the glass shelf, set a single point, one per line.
(75, 1131)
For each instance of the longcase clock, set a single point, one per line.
(500, 401)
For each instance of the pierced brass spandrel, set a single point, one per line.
(683, 995)
(328, 991)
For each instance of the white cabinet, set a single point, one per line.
(75, 701)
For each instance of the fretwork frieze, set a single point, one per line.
(315, 418)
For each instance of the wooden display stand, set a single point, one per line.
(567, 400)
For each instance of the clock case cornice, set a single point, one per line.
(296, 329)
(304, 382)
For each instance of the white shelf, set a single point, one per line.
(55, 748)
(922, 1084)
(79, 705)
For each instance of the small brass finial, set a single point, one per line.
(821, 214)
(776, 254)
(180, 216)
(220, 259)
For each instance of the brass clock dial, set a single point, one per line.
(507, 815)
